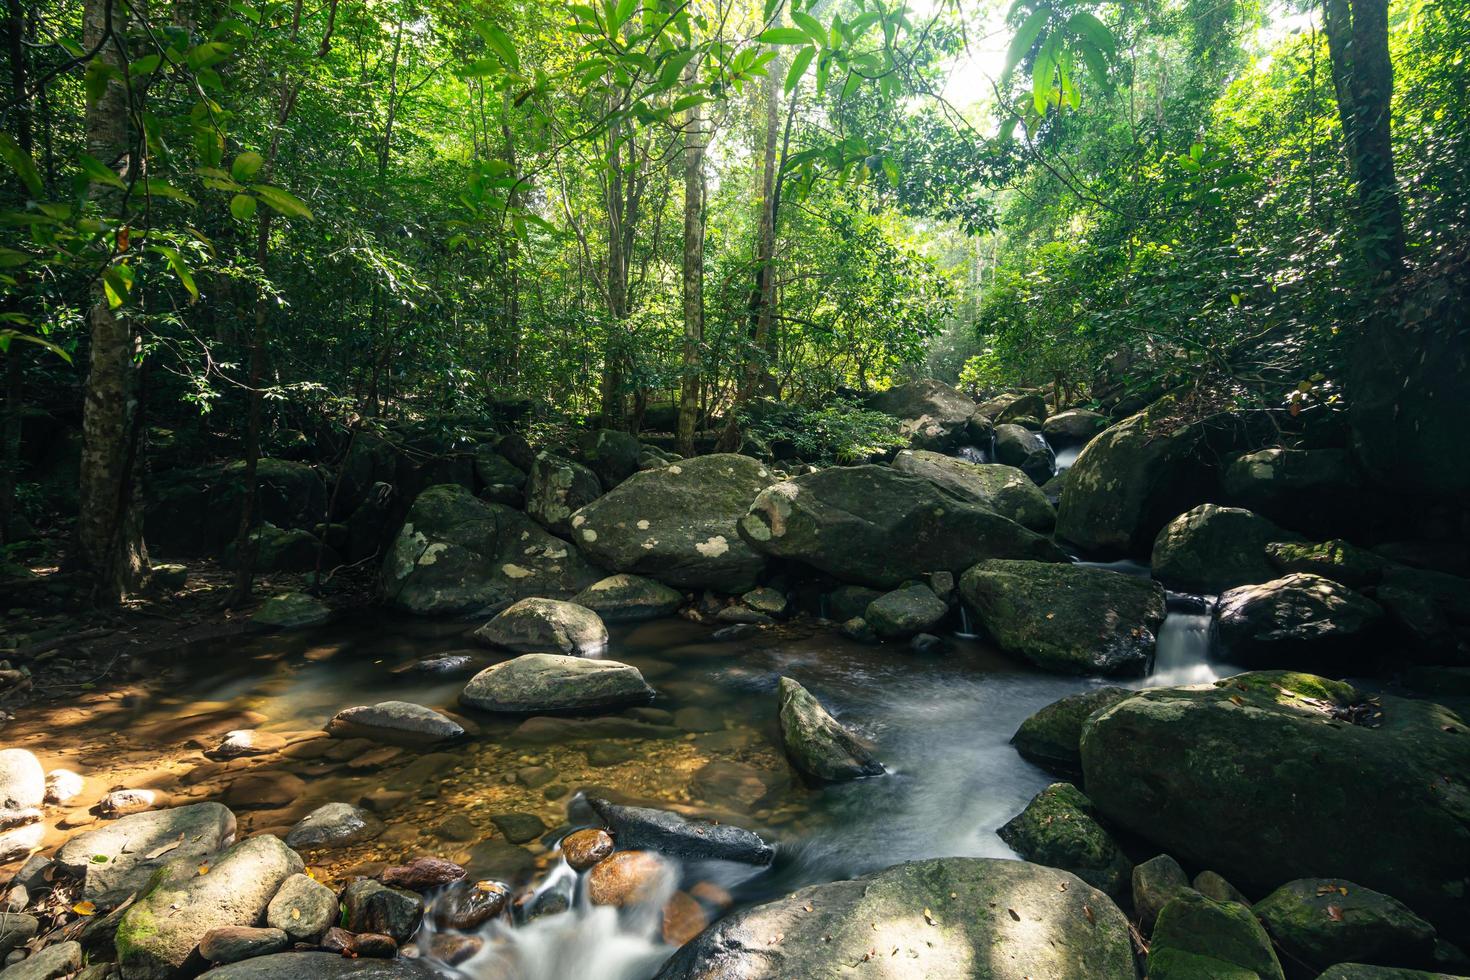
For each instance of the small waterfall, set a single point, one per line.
(1182, 655)
(972, 454)
(966, 630)
(1066, 457)
(584, 942)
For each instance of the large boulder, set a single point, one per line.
(914, 608)
(1210, 549)
(1196, 938)
(120, 856)
(610, 453)
(1004, 489)
(1300, 621)
(1074, 427)
(546, 626)
(626, 598)
(1012, 405)
(1051, 738)
(1336, 560)
(458, 554)
(875, 526)
(1018, 446)
(933, 415)
(498, 478)
(557, 488)
(1131, 480)
(1069, 619)
(941, 919)
(1256, 778)
(158, 934)
(1322, 921)
(816, 743)
(1058, 829)
(544, 683)
(1317, 491)
(677, 524)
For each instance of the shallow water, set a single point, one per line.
(941, 725)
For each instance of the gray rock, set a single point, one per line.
(946, 918)
(1004, 489)
(16, 929)
(771, 602)
(458, 554)
(905, 611)
(1315, 490)
(500, 480)
(626, 598)
(816, 743)
(677, 524)
(538, 683)
(932, 415)
(334, 825)
(322, 966)
(874, 526)
(1210, 549)
(293, 610)
(546, 626)
(20, 842)
(395, 722)
(519, 828)
(609, 453)
(1322, 921)
(303, 908)
(1074, 427)
(672, 835)
(1156, 883)
(51, 963)
(160, 932)
(1027, 451)
(370, 906)
(244, 742)
(1051, 738)
(119, 857)
(1300, 621)
(1213, 886)
(558, 488)
(231, 944)
(123, 802)
(1069, 619)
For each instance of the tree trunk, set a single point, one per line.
(109, 523)
(1362, 74)
(617, 284)
(10, 432)
(693, 273)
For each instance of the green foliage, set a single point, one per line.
(840, 431)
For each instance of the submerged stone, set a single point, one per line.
(395, 722)
(816, 743)
(546, 626)
(626, 598)
(670, 834)
(537, 683)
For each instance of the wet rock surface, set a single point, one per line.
(670, 834)
(538, 682)
(816, 743)
(546, 626)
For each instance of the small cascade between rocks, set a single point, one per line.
(1185, 643)
(966, 630)
(972, 454)
(1066, 457)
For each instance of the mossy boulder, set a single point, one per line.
(1074, 427)
(677, 524)
(1058, 829)
(941, 919)
(1260, 778)
(497, 478)
(1156, 883)
(817, 743)
(627, 598)
(932, 414)
(1362, 971)
(1317, 491)
(1336, 560)
(1050, 738)
(610, 453)
(911, 609)
(1210, 549)
(1027, 451)
(1322, 921)
(874, 526)
(459, 554)
(291, 610)
(1301, 621)
(1193, 934)
(548, 683)
(1004, 489)
(556, 488)
(1068, 619)
(1134, 478)
(537, 625)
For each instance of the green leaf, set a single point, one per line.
(1025, 37)
(180, 267)
(162, 188)
(246, 165)
(783, 35)
(798, 67)
(501, 44)
(689, 102)
(282, 202)
(145, 65)
(811, 26)
(620, 15)
(20, 161)
(242, 206)
(100, 172)
(94, 82)
(1084, 24)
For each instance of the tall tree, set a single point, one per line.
(693, 271)
(109, 523)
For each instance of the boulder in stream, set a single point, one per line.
(626, 598)
(677, 836)
(459, 554)
(334, 825)
(1273, 775)
(303, 908)
(1027, 451)
(816, 743)
(323, 966)
(557, 488)
(1210, 549)
(542, 683)
(396, 723)
(1336, 560)
(677, 524)
(1074, 427)
(946, 918)
(913, 608)
(291, 610)
(1051, 737)
(1004, 489)
(546, 626)
(932, 415)
(1068, 619)
(1058, 829)
(133, 848)
(874, 526)
(1301, 621)
(1196, 938)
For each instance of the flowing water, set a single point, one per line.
(941, 724)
